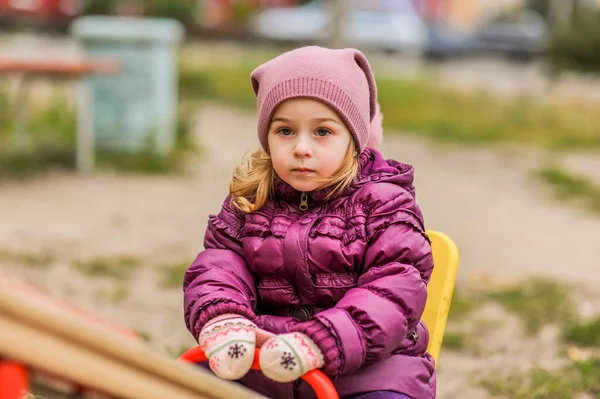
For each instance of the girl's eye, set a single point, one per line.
(322, 132)
(285, 131)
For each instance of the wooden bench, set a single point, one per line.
(59, 69)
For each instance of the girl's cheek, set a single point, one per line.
(278, 162)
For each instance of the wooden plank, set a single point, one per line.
(50, 338)
(60, 67)
(44, 296)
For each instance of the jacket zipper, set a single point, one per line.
(303, 202)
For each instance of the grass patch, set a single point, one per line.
(50, 138)
(450, 115)
(574, 379)
(49, 141)
(572, 188)
(462, 305)
(585, 333)
(172, 275)
(144, 335)
(147, 161)
(120, 268)
(37, 260)
(454, 340)
(115, 295)
(32, 162)
(425, 108)
(537, 302)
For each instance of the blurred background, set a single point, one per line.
(121, 122)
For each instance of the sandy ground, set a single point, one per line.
(503, 222)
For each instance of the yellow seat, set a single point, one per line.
(440, 289)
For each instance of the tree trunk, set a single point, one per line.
(561, 14)
(339, 11)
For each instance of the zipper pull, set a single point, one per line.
(303, 201)
(415, 336)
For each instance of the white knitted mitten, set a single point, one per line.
(228, 341)
(286, 357)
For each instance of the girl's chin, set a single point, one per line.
(306, 188)
(305, 185)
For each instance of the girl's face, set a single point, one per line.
(308, 142)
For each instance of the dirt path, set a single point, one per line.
(503, 223)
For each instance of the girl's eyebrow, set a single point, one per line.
(327, 120)
(320, 120)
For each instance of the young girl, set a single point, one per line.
(320, 249)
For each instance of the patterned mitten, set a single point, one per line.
(286, 357)
(228, 341)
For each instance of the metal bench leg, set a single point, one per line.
(85, 134)
(21, 139)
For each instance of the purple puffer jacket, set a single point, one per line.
(350, 272)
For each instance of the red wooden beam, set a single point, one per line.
(61, 68)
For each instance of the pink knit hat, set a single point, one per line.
(342, 79)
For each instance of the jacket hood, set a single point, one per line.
(376, 168)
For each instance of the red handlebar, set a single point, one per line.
(321, 384)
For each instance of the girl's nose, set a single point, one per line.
(302, 148)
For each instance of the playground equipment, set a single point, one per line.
(41, 333)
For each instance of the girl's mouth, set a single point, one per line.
(302, 171)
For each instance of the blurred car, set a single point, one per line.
(394, 26)
(445, 42)
(523, 35)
